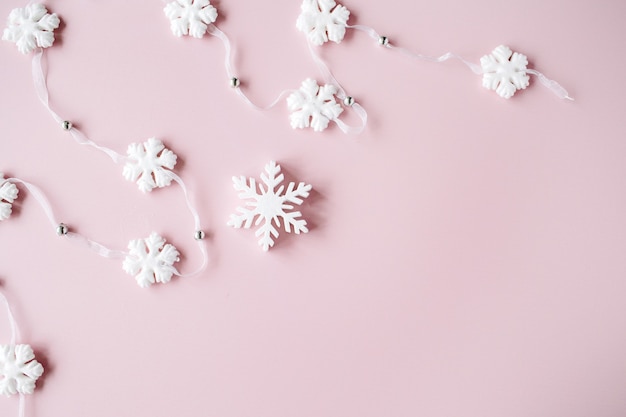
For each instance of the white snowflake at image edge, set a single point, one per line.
(150, 260)
(8, 194)
(146, 163)
(31, 27)
(18, 369)
(313, 105)
(269, 205)
(190, 17)
(321, 21)
(504, 71)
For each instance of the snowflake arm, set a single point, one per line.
(323, 20)
(313, 106)
(151, 260)
(8, 194)
(146, 164)
(504, 71)
(31, 27)
(269, 204)
(18, 369)
(190, 17)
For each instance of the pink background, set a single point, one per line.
(466, 256)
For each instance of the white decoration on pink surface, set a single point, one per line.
(313, 106)
(146, 164)
(269, 204)
(190, 17)
(504, 71)
(8, 194)
(31, 27)
(18, 369)
(321, 21)
(150, 260)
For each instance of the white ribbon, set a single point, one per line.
(552, 85)
(41, 87)
(40, 197)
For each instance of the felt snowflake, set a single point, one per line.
(8, 194)
(269, 205)
(31, 27)
(313, 106)
(323, 20)
(146, 164)
(504, 71)
(18, 369)
(190, 17)
(150, 260)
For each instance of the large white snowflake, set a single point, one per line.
(31, 27)
(313, 106)
(322, 21)
(8, 194)
(146, 164)
(150, 260)
(18, 369)
(190, 17)
(269, 205)
(504, 71)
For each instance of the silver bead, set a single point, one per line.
(348, 101)
(62, 229)
(66, 125)
(234, 82)
(199, 235)
(383, 40)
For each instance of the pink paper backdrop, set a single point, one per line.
(466, 256)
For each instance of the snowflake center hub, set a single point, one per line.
(270, 203)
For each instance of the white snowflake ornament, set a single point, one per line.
(504, 71)
(18, 369)
(150, 260)
(269, 205)
(190, 17)
(31, 27)
(146, 164)
(323, 20)
(313, 105)
(8, 194)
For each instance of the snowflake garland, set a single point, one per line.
(323, 20)
(190, 17)
(31, 27)
(18, 369)
(269, 205)
(504, 71)
(151, 260)
(8, 194)
(146, 164)
(313, 105)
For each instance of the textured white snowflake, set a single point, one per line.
(313, 106)
(8, 194)
(31, 27)
(190, 17)
(269, 205)
(18, 369)
(504, 71)
(150, 260)
(146, 164)
(322, 21)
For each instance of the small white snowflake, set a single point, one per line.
(504, 71)
(313, 106)
(190, 17)
(8, 194)
(269, 204)
(18, 369)
(31, 27)
(322, 21)
(146, 163)
(150, 260)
